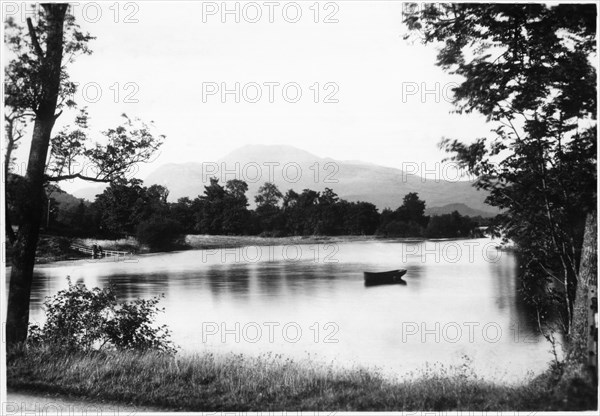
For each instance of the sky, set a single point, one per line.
(366, 92)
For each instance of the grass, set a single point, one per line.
(201, 241)
(207, 382)
(197, 241)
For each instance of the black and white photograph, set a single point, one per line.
(300, 208)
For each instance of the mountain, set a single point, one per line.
(461, 208)
(65, 200)
(89, 193)
(292, 168)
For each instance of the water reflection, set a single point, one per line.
(461, 298)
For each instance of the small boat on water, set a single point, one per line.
(385, 278)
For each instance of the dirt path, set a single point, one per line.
(33, 404)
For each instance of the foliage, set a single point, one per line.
(72, 153)
(360, 218)
(74, 156)
(183, 211)
(235, 215)
(128, 208)
(211, 207)
(82, 319)
(25, 73)
(408, 220)
(268, 195)
(126, 203)
(529, 69)
(268, 212)
(412, 209)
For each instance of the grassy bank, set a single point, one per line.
(56, 248)
(225, 241)
(50, 248)
(53, 248)
(235, 382)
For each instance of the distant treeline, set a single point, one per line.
(128, 208)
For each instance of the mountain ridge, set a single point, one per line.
(461, 208)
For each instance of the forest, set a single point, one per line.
(128, 208)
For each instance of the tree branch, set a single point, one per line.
(34, 40)
(76, 176)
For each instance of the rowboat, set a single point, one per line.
(385, 278)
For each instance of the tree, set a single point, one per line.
(156, 201)
(267, 207)
(290, 199)
(412, 209)
(236, 215)
(183, 212)
(122, 206)
(361, 218)
(408, 220)
(307, 212)
(126, 203)
(43, 70)
(209, 218)
(38, 84)
(79, 220)
(528, 68)
(268, 195)
(330, 219)
(237, 190)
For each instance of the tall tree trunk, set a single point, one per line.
(582, 346)
(10, 135)
(25, 246)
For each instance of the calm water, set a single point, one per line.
(461, 299)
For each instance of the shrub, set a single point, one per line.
(52, 246)
(159, 233)
(82, 319)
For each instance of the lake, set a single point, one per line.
(309, 300)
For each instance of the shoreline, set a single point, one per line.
(191, 242)
(208, 242)
(227, 382)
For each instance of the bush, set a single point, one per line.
(52, 246)
(80, 319)
(159, 233)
